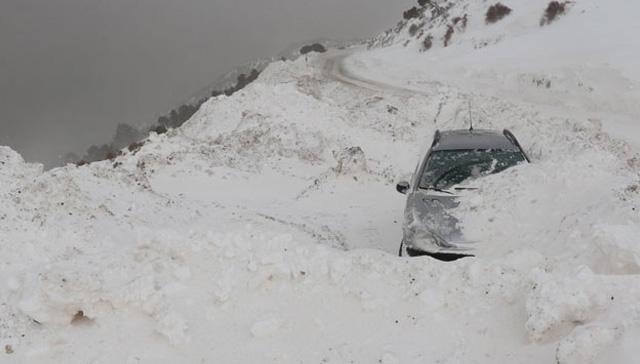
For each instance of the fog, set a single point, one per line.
(71, 70)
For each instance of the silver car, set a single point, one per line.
(455, 157)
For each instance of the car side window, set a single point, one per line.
(417, 175)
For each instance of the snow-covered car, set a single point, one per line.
(455, 158)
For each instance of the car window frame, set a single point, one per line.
(415, 181)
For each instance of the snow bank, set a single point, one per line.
(573, 105)
(266, 228)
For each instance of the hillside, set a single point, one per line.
(266, 228)
(584, 61)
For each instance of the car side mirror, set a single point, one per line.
(403, 187)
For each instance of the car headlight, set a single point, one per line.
(426, 241)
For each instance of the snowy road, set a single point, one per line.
(334, 69)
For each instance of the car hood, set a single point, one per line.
(435, 213)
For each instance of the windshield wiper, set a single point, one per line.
(436, 189)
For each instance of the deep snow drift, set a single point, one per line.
(265, 229)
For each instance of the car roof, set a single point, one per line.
(472, 139)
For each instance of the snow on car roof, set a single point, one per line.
(473, 139)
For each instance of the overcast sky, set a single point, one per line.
(71, 70)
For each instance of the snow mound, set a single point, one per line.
(14, 170)
(594, 312)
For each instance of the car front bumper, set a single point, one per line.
(430, 243)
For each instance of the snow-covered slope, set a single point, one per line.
(585, 62)
(265, 229)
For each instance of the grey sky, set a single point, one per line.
(71, 70)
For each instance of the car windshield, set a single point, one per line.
(446, 168)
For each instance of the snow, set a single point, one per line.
(266, 228)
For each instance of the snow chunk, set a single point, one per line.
(350, 161)
(557, 305)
